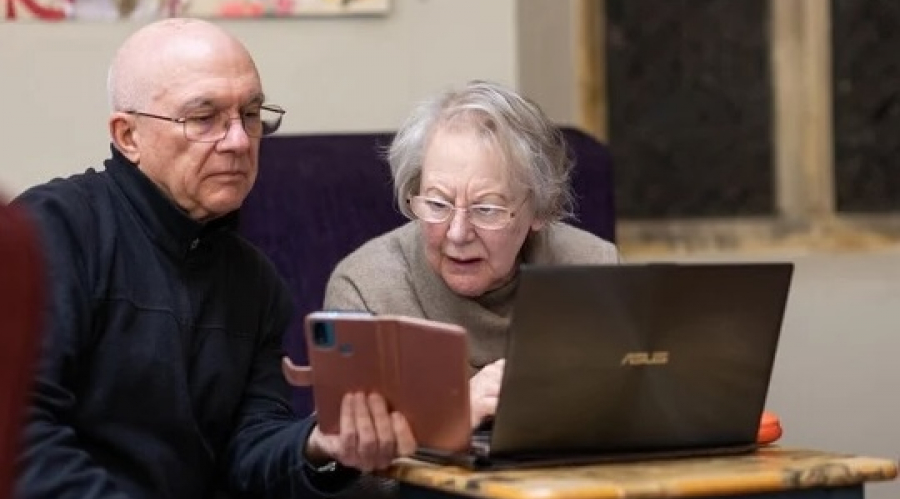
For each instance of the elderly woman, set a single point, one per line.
(484, 176)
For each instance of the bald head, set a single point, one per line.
(147, 59)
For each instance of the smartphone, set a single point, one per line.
(419, 366)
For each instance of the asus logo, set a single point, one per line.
(645, 358)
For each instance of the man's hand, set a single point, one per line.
(484, 388)
(370, 438)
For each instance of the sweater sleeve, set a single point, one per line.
(265, 457)
(52, 464)
(342, 293)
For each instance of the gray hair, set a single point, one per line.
(526, 139)
(124, 91)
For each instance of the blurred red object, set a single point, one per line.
(21, 313)
(769, 428)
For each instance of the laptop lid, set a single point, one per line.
(639, 357)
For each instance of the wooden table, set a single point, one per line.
(770, 473)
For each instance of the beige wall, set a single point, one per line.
(350, 74)
(547, 37)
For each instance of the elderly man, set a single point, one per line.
(160, 375)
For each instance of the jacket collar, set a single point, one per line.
(167, 224)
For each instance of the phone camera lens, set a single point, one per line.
(323, 334)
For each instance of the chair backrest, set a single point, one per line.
(319, 197)
(21, 311)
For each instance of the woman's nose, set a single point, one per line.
(460, 227)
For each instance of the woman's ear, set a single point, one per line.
(125, 136)
(538, 224)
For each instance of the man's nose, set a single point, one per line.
(235, 134)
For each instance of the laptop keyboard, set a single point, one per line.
(481, 437)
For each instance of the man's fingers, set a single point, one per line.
(349, 438)
(367, 444)
(406, 443)
(384, 431)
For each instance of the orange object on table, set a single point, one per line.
(769, 428)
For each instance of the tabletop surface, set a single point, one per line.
(768, 469)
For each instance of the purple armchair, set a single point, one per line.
(319, 197)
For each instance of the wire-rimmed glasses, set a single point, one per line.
(214, 127)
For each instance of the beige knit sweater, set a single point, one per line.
(390, 275)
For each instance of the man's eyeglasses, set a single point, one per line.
(483, 216)
(214, 127)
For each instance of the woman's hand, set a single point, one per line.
(484, 388)
(370, 437)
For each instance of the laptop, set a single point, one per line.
(633, 361)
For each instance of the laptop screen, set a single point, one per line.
(635, 357)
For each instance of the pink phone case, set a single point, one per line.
(419, 366)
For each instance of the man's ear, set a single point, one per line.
(125, 136)
(538, 224)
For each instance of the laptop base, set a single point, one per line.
(479, 461)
